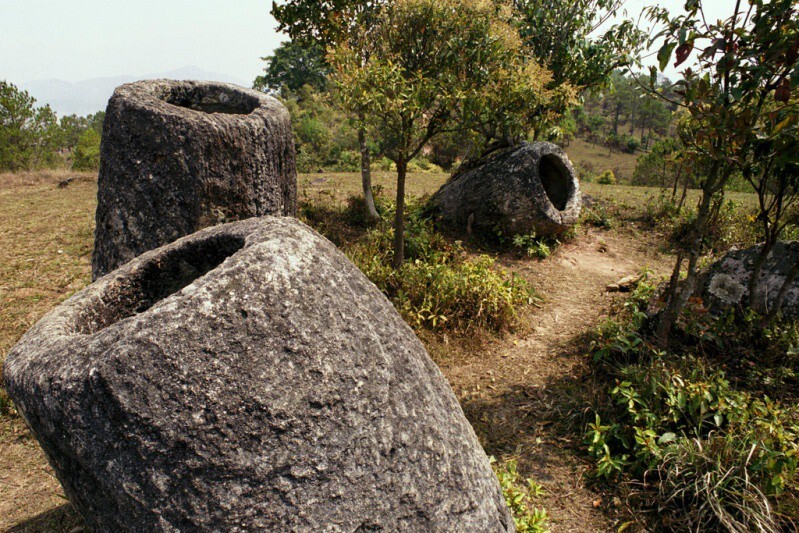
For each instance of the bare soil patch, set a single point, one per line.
(523, 392)
(527, 394)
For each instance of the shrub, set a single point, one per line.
(6, 405)
(518, 498)
(606, 178)
(631, 144)
(87, 152)
(708, 454)
(532, 246)
(597, 216)
(438, 286)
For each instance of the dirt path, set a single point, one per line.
(524, 393)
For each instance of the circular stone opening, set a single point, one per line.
(157, 279)
(556, 180)
(208, 99)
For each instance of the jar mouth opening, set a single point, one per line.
(210, 99)
(556, 180)
(161, 276)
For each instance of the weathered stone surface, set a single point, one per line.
(725, 283)
(249, 377)
(178, 156)
(531, 188)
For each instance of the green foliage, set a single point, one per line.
(661, 166)
(438, 286)
(606, 178)
(292, 66)
(741, 96)
(714, 456)
(597, 216)
(29, 135)
(86, 155)
(532, 246)
(561, 35)
(519, 495)
(324, 137)
(429, 66)
(6, 405)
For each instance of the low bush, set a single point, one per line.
(606, 178)
(533, 246)
(519, 497)
(703, 450)
(438, 287)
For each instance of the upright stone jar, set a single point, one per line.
(178, 156)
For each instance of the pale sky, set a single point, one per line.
(82, 39)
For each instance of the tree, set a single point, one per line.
(562, 36)
(29, 135)
(328, 25)
(293, 66)
(86, 155)
(431, 63)
(747, 74)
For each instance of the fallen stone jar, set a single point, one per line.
(529, 189)
(248, 377)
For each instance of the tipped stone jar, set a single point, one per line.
(249, 377)
(528, 189)
(179, 156)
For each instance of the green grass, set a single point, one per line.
(592, 159)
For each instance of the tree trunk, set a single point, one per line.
(366, 171)
(399, 217)
(678, 299)
(786, 285)
(682, 198)
(755, 302)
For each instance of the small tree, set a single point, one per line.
(329, 24)
(86, 155)
(432, 62)
(747, 71)
(29, 135)
(293, 66)
(564, 36)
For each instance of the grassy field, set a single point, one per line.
(46, 239)
(46, 232)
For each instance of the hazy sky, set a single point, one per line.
(95, 38)
(80, 39)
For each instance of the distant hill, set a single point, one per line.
(90, 96)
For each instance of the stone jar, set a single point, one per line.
(178, 156)
(532, 188)
(249, 377)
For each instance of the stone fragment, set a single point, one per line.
(249, 377)
(725, 283)
(178, 156)
(528, 189)
(625, 284)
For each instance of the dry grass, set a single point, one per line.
(636, 198)
(45, 253)
(593, 159)
(341, 185)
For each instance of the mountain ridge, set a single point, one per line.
(91, 95)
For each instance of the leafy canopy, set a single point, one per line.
(291, 67)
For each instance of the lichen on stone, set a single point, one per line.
(726, 288)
